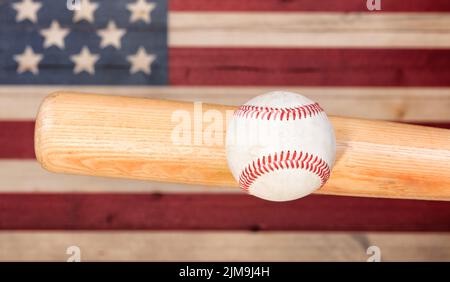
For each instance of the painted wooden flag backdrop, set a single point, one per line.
(392, 64)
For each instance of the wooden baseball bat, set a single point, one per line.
(134, 138)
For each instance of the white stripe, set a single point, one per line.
(390, 103)
(24, 176)
(275, 29)
(222, 246)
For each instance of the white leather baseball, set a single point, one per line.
(280, 146)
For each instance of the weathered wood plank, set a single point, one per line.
(425, 104)
(190, 211)
(309, 67)
(222, 246)
(307, 5)
(315, 30)
(26, 176)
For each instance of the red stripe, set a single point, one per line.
(17, 138)
(308, 5)
(309, 67)
(217, 212)
(433, 124)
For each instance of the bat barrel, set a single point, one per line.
(128, 138)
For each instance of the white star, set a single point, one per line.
(111, 35)
(27, 9)
(141, 61)
(84, 61)
(28, 61)
(54, 35)
(86, 11)
(140, 10)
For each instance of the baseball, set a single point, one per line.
(280, 146)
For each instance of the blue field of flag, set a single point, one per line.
(103, 42)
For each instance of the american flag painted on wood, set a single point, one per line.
(392, 64)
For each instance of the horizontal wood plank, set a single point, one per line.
(315, 30)
(309, 67)
(222, 246)
(155, 211)
(412, 104)
(307, 5)
(27, 176)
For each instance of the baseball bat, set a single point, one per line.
(173, 141)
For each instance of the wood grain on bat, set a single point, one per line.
(131, 138)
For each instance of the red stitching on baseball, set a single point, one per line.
(268, 113)
(284, 160)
